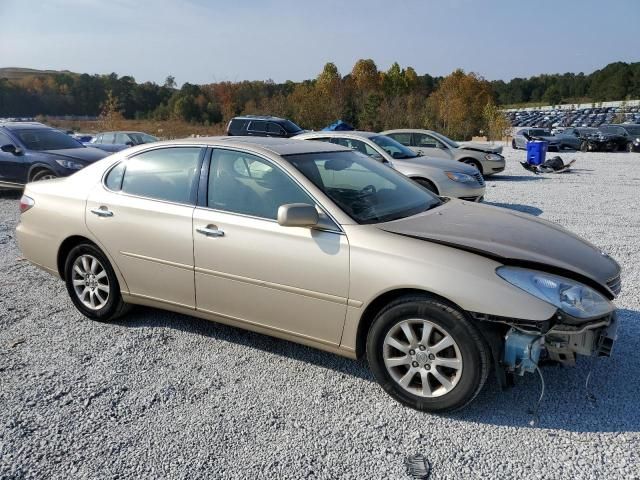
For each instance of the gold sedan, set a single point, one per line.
(318, 244)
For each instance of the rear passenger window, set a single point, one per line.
(163, 174)
(246, 184)
(114, 177)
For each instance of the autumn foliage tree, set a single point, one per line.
(111, 114)
(456, 108)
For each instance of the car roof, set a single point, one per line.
(409, 130)
(23, 125)
(259, 117)
(345, 133)
(279, 146)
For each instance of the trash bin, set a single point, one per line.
(536, 152)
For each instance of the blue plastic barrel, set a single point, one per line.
(536, 152)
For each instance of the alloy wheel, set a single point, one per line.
(90, 282)
(422, 358)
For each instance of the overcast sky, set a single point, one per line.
(201, 41)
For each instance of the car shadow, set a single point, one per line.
(10, 194)
(608, 405)
(151, 317)
(535, 211)
(514, 178)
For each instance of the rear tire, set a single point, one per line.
(92, 284)
(43, 174)
(629, 147)
(413, 370)
(513, 145)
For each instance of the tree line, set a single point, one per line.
(460, 104)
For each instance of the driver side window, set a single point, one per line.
(358, 146)
(427, 141)
(249, 185)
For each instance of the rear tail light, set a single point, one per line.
(26, 203)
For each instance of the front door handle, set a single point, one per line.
(102, 212)
(210, 231)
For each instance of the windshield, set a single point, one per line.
(393, 148)
(290, 127)
(46, 139)
(366, 190)
(446, 140)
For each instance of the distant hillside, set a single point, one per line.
(15, 73)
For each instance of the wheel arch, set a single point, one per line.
(36, 167)
(381, 301)
(475, 161)
(66, 246)
(416, 178)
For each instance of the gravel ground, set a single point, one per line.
(159, 395)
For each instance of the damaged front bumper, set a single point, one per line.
(524, 343)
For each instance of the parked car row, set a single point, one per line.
(584, 117)
(425, 156)
(32, 151)
(623, 137)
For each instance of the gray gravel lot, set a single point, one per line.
(160, 395)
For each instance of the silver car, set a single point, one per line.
(485, 158)
(520, 139)
(439, 176)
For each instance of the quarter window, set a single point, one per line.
(114, 177)
(163, 174)
(243, 183)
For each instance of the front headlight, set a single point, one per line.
(493, 157)
(461, 177)
(573, 298)
(70, 164)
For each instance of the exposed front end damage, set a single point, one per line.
(519, 346)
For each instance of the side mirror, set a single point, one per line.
(298, 215)
(10, 148)
(378, 157)
(129, 144)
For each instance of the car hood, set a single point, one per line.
(87, 154)
(440, 163)
(480, 147)
(511, 237)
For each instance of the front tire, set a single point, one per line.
(426, 184)
(473, 163)
(427, 355)
(92, 284)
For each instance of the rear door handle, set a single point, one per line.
(102, 212)
(210, 231)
